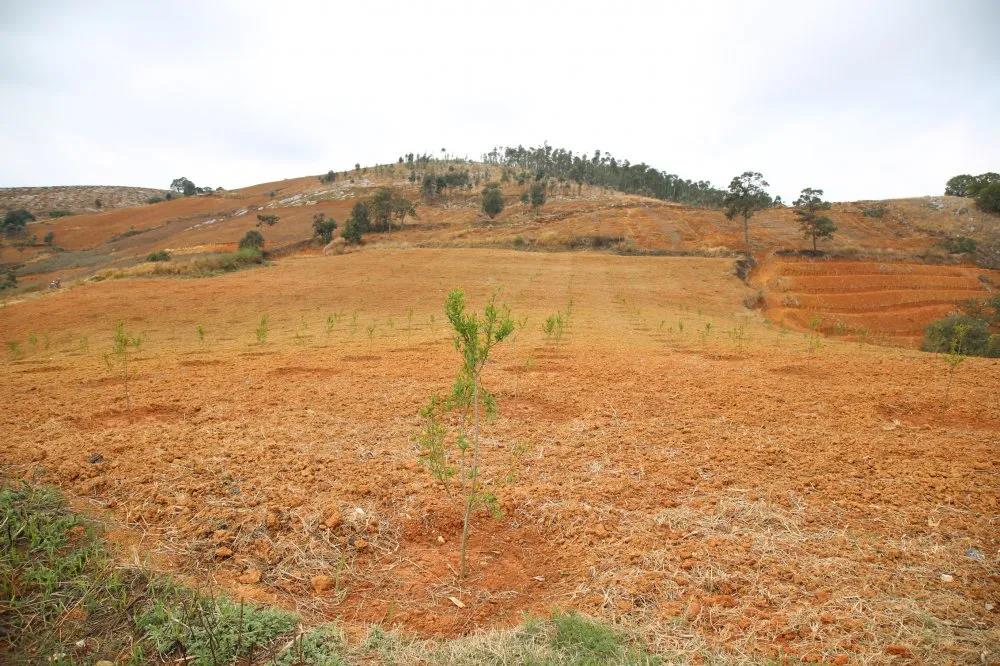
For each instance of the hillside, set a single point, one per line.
(902, 232)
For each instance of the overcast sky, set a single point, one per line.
(863, 99)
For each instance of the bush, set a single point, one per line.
(977, 341)
(15, 221)
(959, 245)
(60, 213)
(875, 210)
(159, 255)
(252, 240)
(8, 281)
(492, 200)
(153, 200)
(49, 238)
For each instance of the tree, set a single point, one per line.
(15, 221)
(403, 207)
(380, 209)
(958, 186)
(323, 227)
(746, 195)
(537, 195)
(253, 239)
(183, 186)
(492, 200)
(988, 197)
(329, 177)
(475, 337)
(49, 238)
(357, 224)
(807, 209)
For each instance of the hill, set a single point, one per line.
(76, 199)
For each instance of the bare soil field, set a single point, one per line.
(876, 301)
(731, 489)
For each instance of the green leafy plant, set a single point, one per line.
(262, 329)
(475, 337)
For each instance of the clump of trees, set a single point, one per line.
(808, 207)
(537, 194)
(984, 188)
(328, 177)
(184, 186)
(602, 170)
(16, 221)
(381, 212)
(323, 227)
(433, 185)
(492, 200)
(746, 195)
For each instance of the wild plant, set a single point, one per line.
(409, 323)
(739, 336)
(119, 355)
(680, 326)
(200, 332)
(553, 327)
(262, 330)
(332, 320)
(370, 330)
(433, 323)
(354, 323)
(300, 333)
(33, 341)
(475, 337)
(15, 349)
(84, 343)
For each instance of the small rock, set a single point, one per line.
(95, 458)
(104, 662)
(223, 553)
(322, 583)
(360, 543)
(974, 554)
(840, 660)
(947, 578)
(250, 577)
(440, 540)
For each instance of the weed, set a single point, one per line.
(261, 331)
(354, 323)
(370, 330)
(704, 333)
(33, 341)
(200, 332)
(15, 349)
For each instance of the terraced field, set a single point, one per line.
(865, 299)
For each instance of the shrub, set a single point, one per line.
(8, 281)
(492, 200)
(60, 213)
(269, 220)
(49, 238)
(959, 245)
(875, 210)
(329, 177)
(972, 334)
(252, 239)
(159, 255)
(15, 221)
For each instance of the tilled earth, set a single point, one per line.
(673, 463)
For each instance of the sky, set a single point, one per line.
(865, 100)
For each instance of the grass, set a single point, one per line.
(202, 266)
(65, 600)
